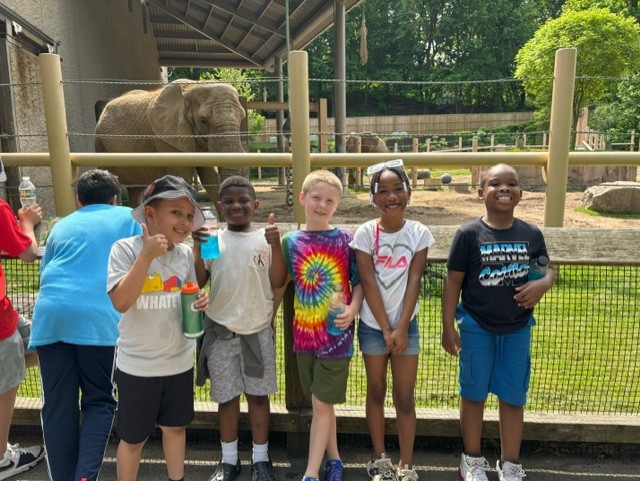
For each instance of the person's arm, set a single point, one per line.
(529, 294)
(29, 218)
(278, 268)
(450, 296)
(416, 271)
(127, 291)
(372, 294)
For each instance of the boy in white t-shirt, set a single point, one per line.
(238, 352)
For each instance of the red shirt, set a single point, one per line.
(13, 242)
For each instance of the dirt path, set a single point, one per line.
(442, 207)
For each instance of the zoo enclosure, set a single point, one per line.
(554, 162)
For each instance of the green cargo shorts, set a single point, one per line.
(326, 379)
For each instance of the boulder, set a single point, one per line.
(618, 197)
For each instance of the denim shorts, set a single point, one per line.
(372, 342)
(500, 364)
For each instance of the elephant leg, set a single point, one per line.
(210, 180)
(135, 196)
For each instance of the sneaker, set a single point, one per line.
(263, 471)
(509, 471)
(382, 469)
(333, 470)
(407, 474)
(473, 469)
(17, 460)
(309, 478)
(226, 472)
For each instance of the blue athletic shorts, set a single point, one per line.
(372, 342)
(500, 364)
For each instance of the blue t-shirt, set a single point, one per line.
(73, 305)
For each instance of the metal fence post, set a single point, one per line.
(62, 171)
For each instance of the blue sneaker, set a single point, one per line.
(333, 470)
(309, 478)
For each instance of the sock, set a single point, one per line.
(260, 452)
(230, 452)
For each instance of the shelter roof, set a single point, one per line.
(234, 33)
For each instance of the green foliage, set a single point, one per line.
(430, 40)
(620, 115)
(608, 45)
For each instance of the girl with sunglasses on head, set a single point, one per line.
(391, 254)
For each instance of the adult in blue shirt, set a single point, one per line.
(75, 328)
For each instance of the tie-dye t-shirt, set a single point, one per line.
(316, 261)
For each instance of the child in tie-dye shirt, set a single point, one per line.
(318, 257)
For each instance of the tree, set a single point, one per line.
(608, 45)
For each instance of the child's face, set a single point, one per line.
(320, 202)
(392, 195)
(237, 207)
(171, 217)
(501, 190)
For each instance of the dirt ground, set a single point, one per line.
(442, 207)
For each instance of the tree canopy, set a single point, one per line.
(608, 45)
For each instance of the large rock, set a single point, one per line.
(618, 197)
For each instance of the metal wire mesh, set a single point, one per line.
(584, 351)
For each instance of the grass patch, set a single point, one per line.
(613, 215)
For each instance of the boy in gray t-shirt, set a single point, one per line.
(154, 359)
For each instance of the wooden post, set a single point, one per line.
(62, 171)
(299, 95)
(323, 144)
(358, 149)
(559, 136)
(414, 169)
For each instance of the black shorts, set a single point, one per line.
(145, 401)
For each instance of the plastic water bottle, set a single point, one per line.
(538, 268)
(337, 305)
(210, 249)
(27, 192)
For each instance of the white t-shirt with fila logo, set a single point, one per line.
(392, 254)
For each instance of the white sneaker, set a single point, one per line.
(473, 469)
(509, 471)
(17, 460)
(382, 469)
(407, 474)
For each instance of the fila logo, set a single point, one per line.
(388, 262)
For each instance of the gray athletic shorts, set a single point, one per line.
(226, 368)
(12, 351)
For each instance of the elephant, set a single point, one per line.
(183, 108)
(370, 142)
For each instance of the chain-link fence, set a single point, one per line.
(584, 355)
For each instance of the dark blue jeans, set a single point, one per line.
(76, 433)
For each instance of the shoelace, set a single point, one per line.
(479, 466)
(514, 470)
(408, 475)
(334, 474)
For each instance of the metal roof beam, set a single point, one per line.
(207, 32)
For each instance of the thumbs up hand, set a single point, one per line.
(155, 245)
(271, 232)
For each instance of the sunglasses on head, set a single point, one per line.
(391, 164)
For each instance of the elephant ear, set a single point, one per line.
(167, 116)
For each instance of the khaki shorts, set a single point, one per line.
(326, 379)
